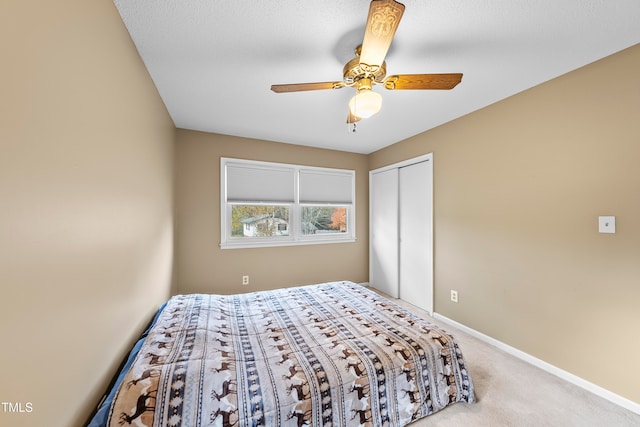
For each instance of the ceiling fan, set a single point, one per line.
(368, 68)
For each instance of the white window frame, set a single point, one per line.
(295, 236)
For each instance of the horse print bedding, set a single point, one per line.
(333, 354)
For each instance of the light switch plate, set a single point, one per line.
(607, 224)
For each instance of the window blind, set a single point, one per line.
(252, 183)
(319, 186)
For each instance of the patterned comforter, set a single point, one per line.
(333, 354)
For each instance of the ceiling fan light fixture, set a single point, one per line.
(365, 103)
(369, 68)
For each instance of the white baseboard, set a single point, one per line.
(567, 376)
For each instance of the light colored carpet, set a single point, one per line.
(512, 392)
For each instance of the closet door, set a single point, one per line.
(383, 223)
(415, 232)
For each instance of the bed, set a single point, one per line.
(332, 354)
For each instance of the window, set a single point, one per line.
(273, 204)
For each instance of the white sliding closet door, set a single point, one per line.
(383, 222)
(401, 231)
(415, 228)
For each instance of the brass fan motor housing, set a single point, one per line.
(354, 70)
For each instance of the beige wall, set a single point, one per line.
(202, 266)
(518, 189)
(86, 205)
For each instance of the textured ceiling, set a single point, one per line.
(213, 61)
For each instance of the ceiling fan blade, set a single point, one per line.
(422, 81)
(351, 118)
(382, 23)
(299, 87)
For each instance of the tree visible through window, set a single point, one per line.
(318, 220)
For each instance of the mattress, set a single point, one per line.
(332, 354)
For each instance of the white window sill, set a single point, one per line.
(277, 243)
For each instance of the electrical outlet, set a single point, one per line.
(454, 295)
(245, 280)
